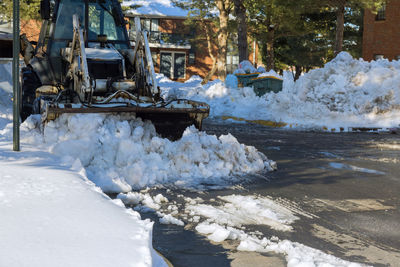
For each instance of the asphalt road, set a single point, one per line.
(346, 184)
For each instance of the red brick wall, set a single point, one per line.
(31, 28)
(173, 26)
(203, 62)
(382, 37)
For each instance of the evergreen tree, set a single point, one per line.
(29, 9)
(270, 20)
(340, 7)
(241, 20)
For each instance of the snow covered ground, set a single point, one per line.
(54, 216)
(48, 199)
(345, 93)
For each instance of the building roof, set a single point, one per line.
(155, 8)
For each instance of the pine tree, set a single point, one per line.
(273, 19)
(241, 20)
(29, 9)
(340, 6)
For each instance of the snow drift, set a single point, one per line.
(120, 155)
(344, 93)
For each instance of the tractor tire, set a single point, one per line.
(30, 82)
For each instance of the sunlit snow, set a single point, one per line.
(345, 93)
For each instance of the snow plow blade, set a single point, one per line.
(170, 119)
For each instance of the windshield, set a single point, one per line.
(104, 19)
(66, 10)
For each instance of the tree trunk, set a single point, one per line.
(339, 28)
(240, 12)
(222, 38)
(298, 72)
(270, 64)
(211, 73)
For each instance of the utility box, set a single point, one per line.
(245, 79)
(263, 85)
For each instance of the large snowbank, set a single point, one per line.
(120, 155)
(344, 93)
(51, 216)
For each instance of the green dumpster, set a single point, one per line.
(263, 85)
(245, 79)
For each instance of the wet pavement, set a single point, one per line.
(345, 186)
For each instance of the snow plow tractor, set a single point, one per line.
(84, 63)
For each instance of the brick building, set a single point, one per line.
(173, 53)
(381, 36)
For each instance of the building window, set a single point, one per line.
(151, 26)
(232, 62)
(378, 57)
(173, 65)
(381, 15)
(232, 55)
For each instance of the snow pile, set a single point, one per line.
(144, 199)
(231, 81)
(223, 100)
(245, 67)
(242, 210)
(349, 90)
(270, 73)
(145, 203)
(54, 216)
(345, 93)
(169, 219)
(120, 154)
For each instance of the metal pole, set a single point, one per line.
(254, 53)
(15, 72)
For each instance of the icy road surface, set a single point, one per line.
(307, 213)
